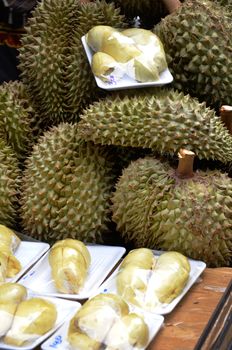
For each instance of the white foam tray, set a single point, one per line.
(126, 82)
(197, 267)
(103, 259)
(59, 339)
(28, 253)
(65, 310)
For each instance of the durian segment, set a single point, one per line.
(199, 63)
(127, 333)
(33, 318)
(98, 314)
(168, 279)
(104, 67)
(163, 119)
(141, 257)
(97, 35)
(66, 188)
(9, 238)
(120, 47)
(11, 265)
(11, 294)
(142, 69)
(160, 211)
(76, 244)
(69, 269)
(3, 267)
(81, 341)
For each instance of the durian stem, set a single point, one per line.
(226, 117)
(172, 5)
(185, 166)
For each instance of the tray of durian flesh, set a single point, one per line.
(72, 269)
(152, 280)
(27, 319)
(120, 59)
(17, 256)
(106, 322)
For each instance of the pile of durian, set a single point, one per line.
(79, 162)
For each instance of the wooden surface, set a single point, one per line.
(184, 325)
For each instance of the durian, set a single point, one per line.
(154, 206)
(11, 294)
(66, 187)
(53, 63)
(104, 66)
(9, 185)
(17, 118)
(69, 260)
(163, 120)
(33, 318)
(9, 238)
(197, 43)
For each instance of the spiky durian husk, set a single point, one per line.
(52, 59)
(66, 187)
(153, 208)
(165, 121)
(197, 42)
(9, 185)
(17, 118)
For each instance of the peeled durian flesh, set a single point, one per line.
(141, 257)
(127, 333)
(33, 318)
(81, 341)
(68, 268)
(11, 294)
(97, 35)
(10, 265)
(9, 238)
(104, 67)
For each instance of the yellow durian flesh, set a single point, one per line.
(104, 66)
(33, 318)
(7, 312)
(12, 293)
(9, 238)
(68, 268)
(97, 35)
(81, 341)
(128, 332)
(168, 278)
(3, 266)
(76, 244)
(10, 264)
(141, 257)
(120, 47)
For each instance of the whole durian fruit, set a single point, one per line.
(197, 43)
(164, 121)
(66, 187)
(53, 63)
(156, 206)
(17, 118)
(9, 185)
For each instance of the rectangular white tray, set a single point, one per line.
(103, 259)
(65, 310)
(28, 253)
(197, 267)
(59, 339)
(126, 82)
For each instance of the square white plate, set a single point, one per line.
(65, 310)
(197, 267)
(28, 253)
(103, 259)
(125, 82)
(59, 339)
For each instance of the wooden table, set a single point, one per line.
(184, 325)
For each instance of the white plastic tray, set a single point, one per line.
(103, 259)
(65, 310)
(28, 253)
(197, 267)
(59, 339)
(126, 82)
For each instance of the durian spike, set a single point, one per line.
(226, 117)
(185, 166)
(172, 5)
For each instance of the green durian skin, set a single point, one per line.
(162, 120)
(9, 185)
(153, 208)
(66, 188)
(53, 62)
(17, 118)
(197, 43)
